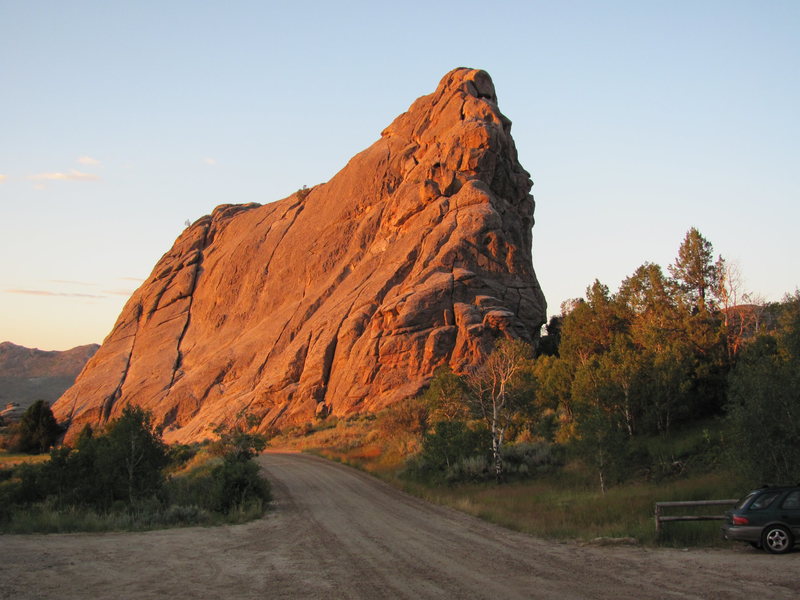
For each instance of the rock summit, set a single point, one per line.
(341, 298)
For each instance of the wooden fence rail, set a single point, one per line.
(664, 519)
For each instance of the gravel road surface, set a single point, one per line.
(337, 533)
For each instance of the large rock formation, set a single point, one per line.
(337, 299)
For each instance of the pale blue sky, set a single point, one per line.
(637, 120)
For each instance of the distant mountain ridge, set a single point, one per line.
(30, 374)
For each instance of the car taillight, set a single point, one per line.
(740, 520)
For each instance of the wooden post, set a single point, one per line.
(658, 520)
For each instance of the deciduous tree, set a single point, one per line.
(38, 429)
(500, 390)
(133, 455)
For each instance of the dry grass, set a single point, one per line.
(558, 509)
(11, 459)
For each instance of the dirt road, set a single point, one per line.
(337, 533)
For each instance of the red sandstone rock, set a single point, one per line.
(338, 299)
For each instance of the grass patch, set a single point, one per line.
(352, 441)
(12, 459)
(558, 507)
(47, 519)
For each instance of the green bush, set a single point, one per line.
(764, 403)
(236, 483)
(526, 460)
(117, 480)
(470, 469)
(520, 461)
(180, 454)
(37, 430)
(450, 443)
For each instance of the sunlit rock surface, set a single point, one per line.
(338, 299)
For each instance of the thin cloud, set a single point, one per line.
(210, 162)
(51, 293)
(3, 178)
(72, 175)
(119, 292)
(72, 282)
(88, 160)
(138, 279)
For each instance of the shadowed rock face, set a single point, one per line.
(338, 299)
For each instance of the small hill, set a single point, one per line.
(30, 374)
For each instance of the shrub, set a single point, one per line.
(240, 440)
(525, 460)
(519, 462)
(236, 483)
(133, 455)
(117, 480)
(180, 454)
(450, 443)
(472, 468)
(37, 430)
(408, 417)
(186, 515)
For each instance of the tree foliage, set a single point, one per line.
(500, 390)
(695, 270)
(121, 465)
(448, 444)
(621, 368)
(639, 361)
(764, 402)
(240, 440)
(446, 397)
(471, 415)
(132, 455)
(122, 468)
(37, 430)
(236, 482)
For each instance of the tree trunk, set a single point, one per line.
(627, 411)
(600, 470)
(498, 458)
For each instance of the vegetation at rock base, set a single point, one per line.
(36, 431)
(125, 477)
(678, 386)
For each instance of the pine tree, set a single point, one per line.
(696, 271)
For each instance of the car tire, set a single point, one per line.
(776, 539)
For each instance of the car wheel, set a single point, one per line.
(777, 539)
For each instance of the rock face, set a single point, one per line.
(30, 374)
(338, 299)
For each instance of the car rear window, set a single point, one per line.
(792, 501)
(764, 500)
(743, 502)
